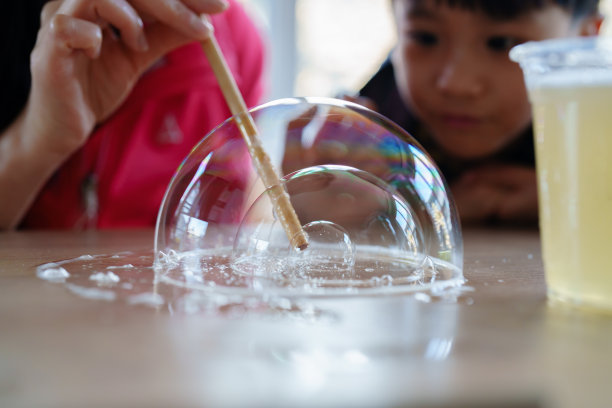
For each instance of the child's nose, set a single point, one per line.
(460, 76)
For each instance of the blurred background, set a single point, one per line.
(329, 47)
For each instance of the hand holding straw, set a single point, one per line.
(279, 197)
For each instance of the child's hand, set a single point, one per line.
(90, 53)
(501, 192)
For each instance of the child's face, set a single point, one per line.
(453, 70)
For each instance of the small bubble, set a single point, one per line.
(422, 297)
(52, 272)
(85, 258)
(128, 266)
(102, 278)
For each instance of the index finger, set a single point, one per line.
(182, 15)
(48, 10)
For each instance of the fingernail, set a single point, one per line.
(201, 26)
(222, 3)
(143, 44)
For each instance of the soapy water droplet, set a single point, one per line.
(127, 266)
(422, 297)
(104, 279)
(52, 272)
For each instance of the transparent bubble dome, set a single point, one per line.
(377, 213)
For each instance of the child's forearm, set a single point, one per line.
(26, 163)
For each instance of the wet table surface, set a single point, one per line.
(499, 343)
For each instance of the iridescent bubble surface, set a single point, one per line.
(377, 211)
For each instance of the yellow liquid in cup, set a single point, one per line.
(573, 133)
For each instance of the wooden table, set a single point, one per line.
(500, 345)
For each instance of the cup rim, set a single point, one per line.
(543, 48)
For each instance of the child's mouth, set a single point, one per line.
(460, 121)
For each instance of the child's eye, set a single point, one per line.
(501, 43)
(424, 38)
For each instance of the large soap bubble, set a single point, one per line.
(376, 209)
(351, 218)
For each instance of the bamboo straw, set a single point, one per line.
(279, 197)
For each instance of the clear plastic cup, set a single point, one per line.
(569, 82)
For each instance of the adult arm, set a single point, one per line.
(87, 58)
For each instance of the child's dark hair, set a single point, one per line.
(509, 9)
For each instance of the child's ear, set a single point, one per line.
(591, 25)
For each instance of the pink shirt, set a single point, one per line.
(134, 154)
